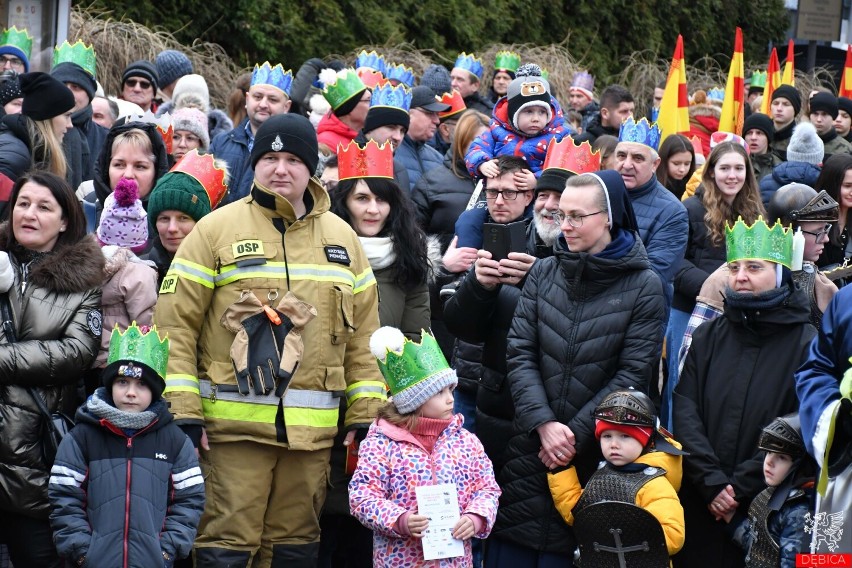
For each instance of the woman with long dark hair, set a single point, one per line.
(836, 180)
(677, 163)
(52, 277)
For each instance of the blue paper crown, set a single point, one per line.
(389, 96)
(372, 60)
(716, 94)
(266, 74)
(469, 63)
(401, 73)
(641, 132)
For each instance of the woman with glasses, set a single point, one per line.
(836, 180)
(738, 377)
(728, 190)
(589, 321)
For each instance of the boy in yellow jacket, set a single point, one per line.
(645, 464)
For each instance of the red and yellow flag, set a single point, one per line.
(789, 77)
(732, 108)
(773, 81)
(674, 114)
(846, 81)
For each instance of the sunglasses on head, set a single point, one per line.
(132, 82)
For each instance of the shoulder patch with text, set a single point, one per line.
(169, 285)
(338, 254)
(247, 248)
(94, 321)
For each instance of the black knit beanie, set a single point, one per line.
(149, 376)
(141, 68)
(379, 116)
(68, 72)
(287, 133)
(791, 94)
(552, 179)
(758, 121)
(44, 96)
(845, 105)
(825, 102)
(350, 104)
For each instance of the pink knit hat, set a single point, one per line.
(124, 222)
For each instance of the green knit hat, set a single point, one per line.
(180, 192)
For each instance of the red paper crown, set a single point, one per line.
(370, 77)
(167, 135)
(456, 102)
(565, 155)
(202, 168)
(370, 161)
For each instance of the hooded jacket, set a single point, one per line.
(584, 326)
(787, 172)
(503, 139)
(122, 498)
(392, 462)
(58, 323)
(332, 131)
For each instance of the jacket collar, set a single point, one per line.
(274, 205)
(643, 189)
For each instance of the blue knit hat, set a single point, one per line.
(171, 66)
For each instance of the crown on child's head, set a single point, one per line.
(79, 53)
(141, 346)
(276, 77)
(641, 132)
(758, 241)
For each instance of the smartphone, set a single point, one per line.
(502, 238)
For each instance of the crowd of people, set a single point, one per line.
(275, 325)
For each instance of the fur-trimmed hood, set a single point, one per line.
(73, 268)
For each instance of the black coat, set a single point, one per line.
(702, 256)
(15, 154)
(440, 196)
(584, 326)
(738, 376)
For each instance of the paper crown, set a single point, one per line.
(79, 53)
(760, 242)
(757, 80)
(370, 77)
(642, 132)
(370, 160)
(400, 73)
(19, 39)
(507, 61)
(266, 74)
(409, 363)
(584, 81)
(456, 102)
(469, 63)
(371, 60)
(386, 95)
(144, 347)
(202, 168)
(545, 74)
(340, 86)
(162, 122)
(716, 94)
(565, 155)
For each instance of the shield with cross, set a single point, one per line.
(613, 534)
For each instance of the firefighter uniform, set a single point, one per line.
(267, 467)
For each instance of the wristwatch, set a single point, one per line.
(167, 557)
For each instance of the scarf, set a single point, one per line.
(762, 301)
(101, 407)
(379, 251)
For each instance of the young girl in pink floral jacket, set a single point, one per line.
(417, 441)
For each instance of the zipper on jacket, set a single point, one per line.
(127, 498)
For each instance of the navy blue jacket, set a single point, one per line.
(123, 500)
(233, 147)
(418, 158)
(784, 173)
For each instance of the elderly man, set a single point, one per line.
(262, 403)
(414, 152)
(139, 84)
(269, 95)
(466, 78)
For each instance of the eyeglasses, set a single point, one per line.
(750, 267)
(507, 194)
(11, 61)
(575, 221)
(187, 138)
(819, 234)
(141, 82)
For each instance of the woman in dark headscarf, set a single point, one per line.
(589, 322)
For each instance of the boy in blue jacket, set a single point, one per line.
(126, 488)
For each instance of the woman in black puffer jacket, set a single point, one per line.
(55, 296)
(589, 321)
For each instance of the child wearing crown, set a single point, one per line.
(638, 460)
(524, 122)
(125, 488)
(417, 441)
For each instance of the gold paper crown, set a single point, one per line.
(759, 242)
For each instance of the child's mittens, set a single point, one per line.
(7, 273)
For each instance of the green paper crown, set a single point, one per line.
(345, 85)
(759, 242)
(758, 80)
(79, 53)
(17, 38)
(143, 347)
(507, 61)
(416, 363)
